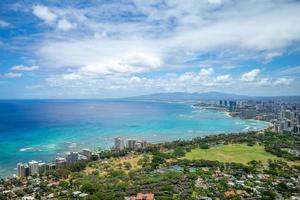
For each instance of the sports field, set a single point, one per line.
(239, 153)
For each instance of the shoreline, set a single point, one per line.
(228, 114)
(159, 140)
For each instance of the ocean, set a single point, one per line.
(44, 129)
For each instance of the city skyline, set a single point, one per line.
(104, 49)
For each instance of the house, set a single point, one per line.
(200, 183)
(229, 193)
(142, 196)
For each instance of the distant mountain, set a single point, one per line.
(178, 96)
(183, 96)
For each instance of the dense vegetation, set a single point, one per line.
(164, 170)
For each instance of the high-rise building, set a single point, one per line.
(87, 153)
(232, 105)
(137, 146)
(221, 103)
(60, 162)
(119, 144)
(72, 157)
(33, 167)
(42, 168)
(20, 167)
(50, 166)
(22, 170)
(131, 143)
(288, 114)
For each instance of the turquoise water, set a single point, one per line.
(45, 129)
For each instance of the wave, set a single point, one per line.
(28, 149)
(247, 128)
(38, 148)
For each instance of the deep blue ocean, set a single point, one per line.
(45, 129)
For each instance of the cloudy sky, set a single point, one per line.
(103, 49)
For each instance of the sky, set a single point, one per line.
(119, 48)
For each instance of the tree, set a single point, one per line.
(88, 188)
(94, 157)
(157, 160)
(63, 184)
(127, 165)
(179, 152)
(204, 146)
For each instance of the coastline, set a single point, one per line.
(159, 138)
(229, 114)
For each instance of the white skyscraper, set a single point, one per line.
(119, 144)
(22, 170)
(33, 167)
(87, 153)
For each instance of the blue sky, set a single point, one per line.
(103, 49)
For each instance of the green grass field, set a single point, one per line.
(239, 153)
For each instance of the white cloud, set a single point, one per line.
(206, 72)
(265, 81)
(290, 70)
(269, 56)
(224, 78)
(12, 75)
(107, 50)
(24, 68)
(44, 13)
(71, 76)
(283, 81)
(266, 27)
(187, 81)
(186, 77)
(54, 17)
(215, 1)
(250, 76)
(4, 24)
(65, 25)
(101, 56)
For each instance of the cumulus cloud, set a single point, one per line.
(197, 28)
(116, 49)
(250, 76)
(172, 82)
(65, 25)
(53, 17)
(44, 13)
(12, 75)
(206, 71)
(101, 56)
(24, 68)
(283, 81)
(224, 78)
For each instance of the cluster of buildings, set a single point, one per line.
(33, 167)
(231, 105)
(245, 185)
(285, 116)
(121, 144)
(288, 120)
(34, 188)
